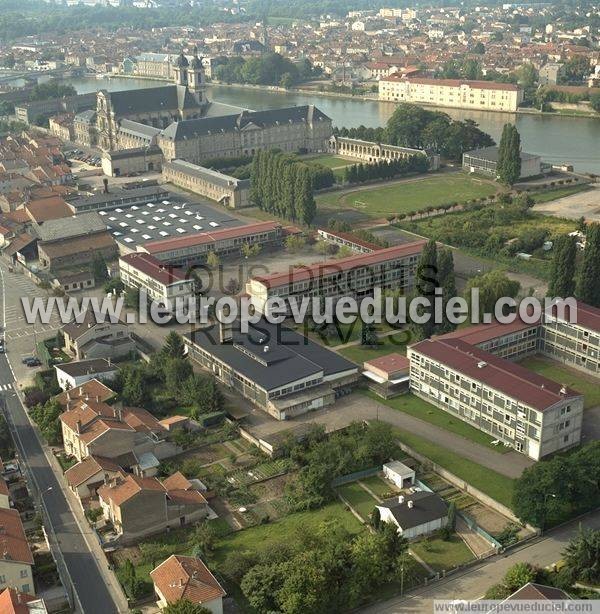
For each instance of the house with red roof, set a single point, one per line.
(187, 578)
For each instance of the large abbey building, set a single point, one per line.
(155, 107)
(179, 121)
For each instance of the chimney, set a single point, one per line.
(68, 397)
(80, 391)
(266, 349)
(78, 426)
(410, 504)
(563, 390)
(106, 479)
(401, 499)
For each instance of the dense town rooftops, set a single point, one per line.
(202, 238)
(316, 271)
(186, 577)
(506, 377)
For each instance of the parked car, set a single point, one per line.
(31, 361)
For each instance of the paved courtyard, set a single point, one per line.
(586, 204)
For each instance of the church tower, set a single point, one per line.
(181, 69)
(196, 82)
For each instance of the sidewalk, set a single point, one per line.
(110, 580)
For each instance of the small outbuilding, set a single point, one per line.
(398, 473)
(387, 376)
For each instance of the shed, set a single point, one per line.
(398, 473)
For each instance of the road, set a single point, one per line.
(86, 578)
(474, 581)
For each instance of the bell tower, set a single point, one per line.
(196, 83)
(181, 69)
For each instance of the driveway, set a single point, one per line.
(357, 407)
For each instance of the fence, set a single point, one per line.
(352, 477)
(475, 527)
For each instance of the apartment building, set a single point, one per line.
(224, 189)
(392, 267)
(513, 405)
(161, 283)
(459, 93)
(577, 344)
(194, 248)
(16, 559)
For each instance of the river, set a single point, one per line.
(574, 140)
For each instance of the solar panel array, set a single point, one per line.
(175, 217)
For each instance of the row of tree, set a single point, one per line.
(359, 173)
(282, 185)
(574, 276)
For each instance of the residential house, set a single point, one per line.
(16, 560)
(89, 474)
(138, 506)
(420, 513)
(187, 578)
(120, 433)
(92, 389)
(73, 374)
(93, 339)
(13, 601)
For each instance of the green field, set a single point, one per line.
(490, 482)
(379, 486)
(563, 375)
(411, 195)
(329, 161)
(358, 498)
(414, 406)
(388, 344)
(442, 555)
(263, 537)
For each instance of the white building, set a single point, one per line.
(72, 374)
(162, 282)
(418, 514)
(398, 473)
(459, 93)
(485, 161)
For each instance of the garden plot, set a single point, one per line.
(261, 472)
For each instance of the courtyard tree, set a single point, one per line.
(582, 556)
(174, 346)
(508, 166)
(588, 288)
(562, 275)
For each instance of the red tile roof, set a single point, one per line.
(13, 543)
(88, 468)
(201, 238)
(186, 577)
(14, 602)
(497, 373)
(154, 268)
(344, 264)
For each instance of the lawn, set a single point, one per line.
(358, 498)
(328, 160)
(391, 343)
(418, 408)
(265, 536)
(379, 486)
(442, 555)
(544, 197)
(563, 375)
(411, 195)
(490, 482)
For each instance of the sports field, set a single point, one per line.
(411, 195)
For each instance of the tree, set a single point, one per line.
(174, 346)
(204, 537)
(153, 552)
(582, 556)
(134, 391)
(508, 166)
(595, 102)
(376, 518)
(213, 260)
(176, 371)
(588, 288)
(286, 81)
(447, 282)
(518, 576)
(183, 606)
(492, 286)
(368, 335)
(426, 283)
(99, 269)
(562, 275)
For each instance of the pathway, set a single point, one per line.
(476, 544)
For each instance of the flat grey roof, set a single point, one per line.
(491, 154)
